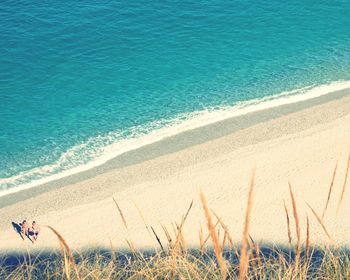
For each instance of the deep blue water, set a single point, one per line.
(78, 75)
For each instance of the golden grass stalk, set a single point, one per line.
(65, 249)
(344, 184)
(208, 236)
(307, 246)
(244, 258)
(257, 253)
(224, 226)
(330, 190)
(168, 236)
(214, 237)
(143, 219)
(254, 260)
(179, 235)
(224, 241)
(120, 213)
(66, 267)
(181, 238)
(113, 255)
(158, 239)
(188, 210)
(320, 222)
(131, 247)
(288, 225)
(174, 230)
(297, 227)
(201, 241)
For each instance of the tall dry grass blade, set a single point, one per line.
(113, 255)
(182, 242)
(66, 267)
(214, 237)
(64, 245)
(307, 249)
(201, 241)
(344, 184)
(188, 210)
(179, 241)
(288, 225)
(297, 227)
(251, 240)
(131, 247)
(224, 241)
(257, 253)
(224, 226)
(208, 236)
(254, 261)
(158, 239)
(143, 218)
(121, 213)
(244, 258)
(320, 222)
(168, 236)
(330, 190)
(174, 229)
(144, 222)
(179, 235)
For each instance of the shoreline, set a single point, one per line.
(171, 144)
(300, 142)
(195, 120)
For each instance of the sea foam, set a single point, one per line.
(97, 151)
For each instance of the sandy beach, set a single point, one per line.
(154, 185)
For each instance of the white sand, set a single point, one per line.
(301, 147)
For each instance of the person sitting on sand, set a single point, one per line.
(24, 228)
(34, 230)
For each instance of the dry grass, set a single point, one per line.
(344, 184)
(158, 239)
(288, 226)
(227, 232)
(214, 237)
(330, 190)
(320, 222)
(297, 227)
(244, 259)
(307, 243)
(121, 213)
(172, 259)
(65, 250)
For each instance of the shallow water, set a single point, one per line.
(78, 81)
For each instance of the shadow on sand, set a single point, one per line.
(41, 260)
(17, 228)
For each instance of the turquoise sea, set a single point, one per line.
(83, 81)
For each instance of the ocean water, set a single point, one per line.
(83, 81)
